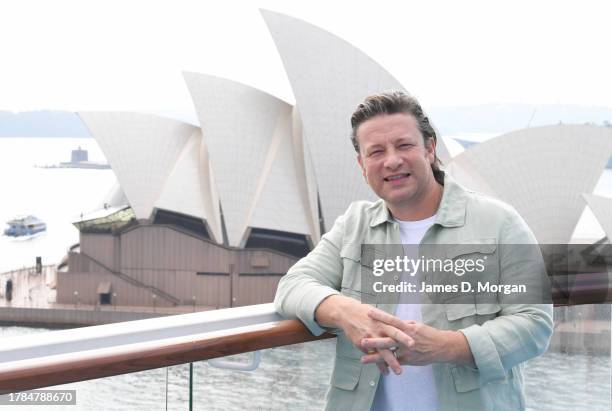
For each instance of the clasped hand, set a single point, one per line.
(409, 343)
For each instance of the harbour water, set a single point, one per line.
(294, 377)
(56, 195)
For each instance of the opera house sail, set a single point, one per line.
(254, 158)
(329, 78)
(541, 171)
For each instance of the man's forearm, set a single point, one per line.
(329, 312)
(459, 349)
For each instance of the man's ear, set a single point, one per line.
(360, 162)
(431, 149)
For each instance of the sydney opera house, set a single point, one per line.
(215, 214)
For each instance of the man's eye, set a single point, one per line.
(375, 152)
(406, 145)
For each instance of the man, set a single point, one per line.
(443, 356)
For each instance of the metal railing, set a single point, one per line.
(59, 357)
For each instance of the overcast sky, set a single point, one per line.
(129, 55)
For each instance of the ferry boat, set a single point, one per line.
(22, 226)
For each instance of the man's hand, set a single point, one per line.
(352, 317)
(429, 345)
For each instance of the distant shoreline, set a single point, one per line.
(480, 119)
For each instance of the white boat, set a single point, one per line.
(25, 226)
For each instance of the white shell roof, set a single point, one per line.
(142, 149)
(190, 188)
(602, 208)
(249, 137)
(330, 77)
(158, 163)
(306, 176)
(541, 171)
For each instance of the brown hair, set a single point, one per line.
(394, 102)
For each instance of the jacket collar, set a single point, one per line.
(451, 212)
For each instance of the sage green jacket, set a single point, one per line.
(501, 336)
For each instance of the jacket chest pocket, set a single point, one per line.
(476, 265)
(358, 263)
(467, 271)
(475, 261)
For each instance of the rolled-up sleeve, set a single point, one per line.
(312, 279)
(521, 331)
(518, 334)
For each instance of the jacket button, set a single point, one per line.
(396, 278)
(372, 383)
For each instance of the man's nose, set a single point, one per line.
(393, 160)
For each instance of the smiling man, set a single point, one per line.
(397, 164)
(443, 356)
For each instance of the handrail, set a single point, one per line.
(59, 357)
(106, 363)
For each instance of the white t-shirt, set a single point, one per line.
(415, 388)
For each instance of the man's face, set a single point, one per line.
(394, 159)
